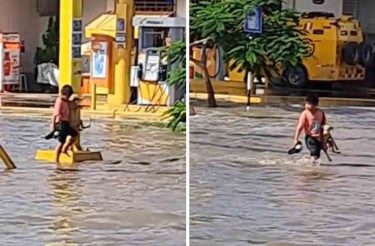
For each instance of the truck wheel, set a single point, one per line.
(296, 76)
(366, 56)
(351, 54)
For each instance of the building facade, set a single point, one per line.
(360, 9)
(29, 18)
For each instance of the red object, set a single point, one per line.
(191, 72)
(85, 85)
(22, 48)
(6, 64)
(7, 88)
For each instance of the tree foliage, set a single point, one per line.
(281, 44)
(49, 53)
(176, 54)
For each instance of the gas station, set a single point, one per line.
(118, 54)
(115, 65)
(114, 51)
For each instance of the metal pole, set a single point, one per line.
(248, 87)
(93, 96)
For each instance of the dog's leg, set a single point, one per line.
(335, 148)
(325, 151)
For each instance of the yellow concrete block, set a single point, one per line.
(219, 86)
(79, 156)
(228, 98)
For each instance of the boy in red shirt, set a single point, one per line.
(311, 121)
(60, 121)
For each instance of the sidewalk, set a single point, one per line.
(235, 92)
(40, 105)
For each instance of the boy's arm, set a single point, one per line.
(56, 112)
(324, 120)
(53, 123)
(297, 134)
(299, 128)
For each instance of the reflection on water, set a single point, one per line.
(136, 196)
(245, 189)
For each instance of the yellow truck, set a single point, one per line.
(339, 53)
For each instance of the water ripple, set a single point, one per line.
(135, 197)
(245, 189)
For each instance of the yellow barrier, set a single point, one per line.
(77, 156)
(6, 159)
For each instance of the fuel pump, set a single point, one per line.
(155, 67)
(153, 87)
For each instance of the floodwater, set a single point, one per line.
(245, 189)
(136, 196)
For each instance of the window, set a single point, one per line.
(350, 7)
(344, 33)
(318, 32)
(153, 37)
(154, 5)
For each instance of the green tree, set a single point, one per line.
(49, 51)
(176, 54)
(281, 45)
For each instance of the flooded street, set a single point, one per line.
(246, 189)
(136, 196)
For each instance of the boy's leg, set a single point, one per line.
(62, 139)
(72, 136)
(314, 145)
(58, 153)
(68, 143)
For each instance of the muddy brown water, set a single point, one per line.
(245, 189)
(136, 196)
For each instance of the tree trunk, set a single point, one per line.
(192, 110)
(210, 90)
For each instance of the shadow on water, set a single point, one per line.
(246, 190)
(136, 196)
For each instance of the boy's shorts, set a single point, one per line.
(314, 145)
(65, 130)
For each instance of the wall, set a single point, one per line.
(21, 16)
(367, 18)
(110, 5)
(181, 8)
(93, 9)
(361, 9)
(334, 6)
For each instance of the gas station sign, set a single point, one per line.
(253, 21)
